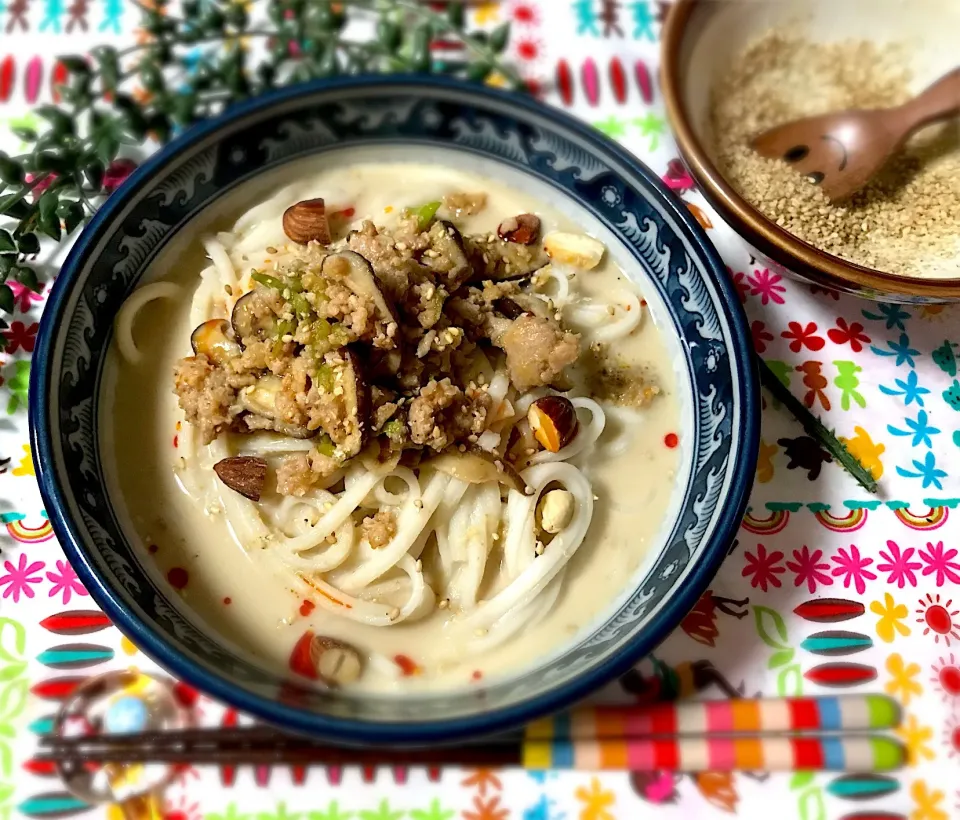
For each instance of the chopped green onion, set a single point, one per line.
(282, 329)
(300, 305)
(324, 377)
(321, 330)
(325, 446)
(425, 214)
(268, 280)
(338, 336)
(393, 429)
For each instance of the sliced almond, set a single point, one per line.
(244, 474)
(307, 222)
(574, 249)
(521, 230)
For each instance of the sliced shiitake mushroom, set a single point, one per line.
(508, 308)
(476, 466)
(262, 401)
(452, 260)
(214, 340)
(251, 319)
(503, 261)
(356, 398)
(357, 274)
(513, 307)
(352, 390)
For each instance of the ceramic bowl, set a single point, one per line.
(649, 232)
(700, 40)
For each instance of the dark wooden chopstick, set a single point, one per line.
(261, 749)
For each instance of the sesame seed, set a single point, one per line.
(906, 220)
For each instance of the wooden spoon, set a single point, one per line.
(840, 152)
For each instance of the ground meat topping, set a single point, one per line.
(463, 204)
(299, 474)
(443, 414)
(538, 350)
(388, 336)
(208, 395)
(379, 529)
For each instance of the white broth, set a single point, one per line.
(173, 505)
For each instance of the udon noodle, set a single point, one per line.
(467, 539)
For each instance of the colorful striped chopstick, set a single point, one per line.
(822, 714)
(771, 754)
(862, 754)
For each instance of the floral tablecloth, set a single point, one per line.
(815, 554)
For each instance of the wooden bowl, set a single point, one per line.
(700, 40)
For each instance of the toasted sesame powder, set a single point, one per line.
(907, 220)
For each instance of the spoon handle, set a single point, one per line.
(939, 102)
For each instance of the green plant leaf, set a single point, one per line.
(74, 64)
(456, 15)
(107, 146)
(71, 213)
(28, 244)
(60, 123)
(6, 242)
(801, 779)
(6, 789)
(811, 805)
(790, 681)
(25, 134)
(420, 48)
(94, 173)
(48, 203)
(11, 172)
(26, 276)
(7, 302)
(50, 225)
(780, 658)
(12, 671)
(13, 640)
(499, 38)
(770, 626)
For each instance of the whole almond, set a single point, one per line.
(307, 222)
(244, 474)
(337, 663)
(554, 422)
(521, 230)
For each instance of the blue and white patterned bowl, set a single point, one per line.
(648, 231)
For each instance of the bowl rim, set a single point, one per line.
(798, 256)
(351, 730)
